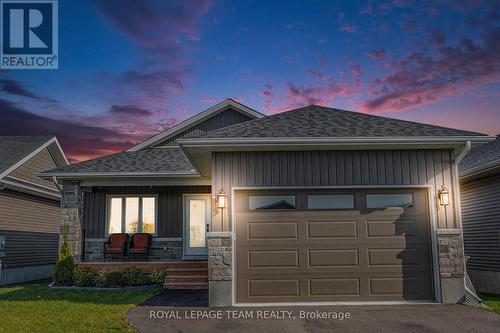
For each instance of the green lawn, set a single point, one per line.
(492, 301)
(36, 308)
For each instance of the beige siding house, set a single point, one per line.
(29, 208)
(310, 206)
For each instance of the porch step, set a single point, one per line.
(186, 278)
(186, 285)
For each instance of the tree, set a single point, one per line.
(63, 273)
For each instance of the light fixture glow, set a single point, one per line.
(444, 196)
(221, 199)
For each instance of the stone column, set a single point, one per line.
(71, 207)
(451, 265)
(220, 268)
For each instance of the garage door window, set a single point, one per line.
(404, 200)
(330, 201)
(271, 202)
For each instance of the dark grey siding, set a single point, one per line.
(481, 222)
(170, 201)
(25, 248)
(222, 119)
(336, 168)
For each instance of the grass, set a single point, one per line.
(36, 308)
(492, 301)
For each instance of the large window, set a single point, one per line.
(131, 214)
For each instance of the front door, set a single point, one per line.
(196, 223)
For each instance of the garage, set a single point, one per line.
(332, 245)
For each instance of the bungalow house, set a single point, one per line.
(480, 199)
(30, 216)
(313, 205)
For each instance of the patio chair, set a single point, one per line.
(116, 245)
(140, 244)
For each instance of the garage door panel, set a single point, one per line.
(334, 287)
(273, 287)
(332, 229)
(272, 230)
(333, 258)
(318, 255)
(273, 258)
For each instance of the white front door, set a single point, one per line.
(196, 223)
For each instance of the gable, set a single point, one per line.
(226, 113)
(220, 120)
(40, 162)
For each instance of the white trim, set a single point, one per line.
(195, 120)
(124, 217)
(53, 194)
(31, 183)
(61, 150)
(29, 156)
(147, 182)
(433, 230)
(480, 169)
(208, 220)
(304, 141)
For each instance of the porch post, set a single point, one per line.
(451, 265)
(220, 268)
(71, 208)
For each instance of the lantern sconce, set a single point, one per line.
(444, 196)
(221, 203)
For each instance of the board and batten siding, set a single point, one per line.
(480, 201)
(170, 207)
(335, 168)
(42, 161)
(220, 120)
(25, 213)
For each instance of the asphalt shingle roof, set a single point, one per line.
(148, 160)
(15, 148)
(487, 153)
(318, 121)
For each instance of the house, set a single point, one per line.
(313, 205)
(480, 199)
(30, 216)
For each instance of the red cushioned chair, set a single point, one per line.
(116, 245)
(140, 244)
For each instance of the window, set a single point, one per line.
(330, 201)
(271, 202)
(404, 200)
(131, 214)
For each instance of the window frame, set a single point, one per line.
(123, 215)
(294, 195)
(366, 194)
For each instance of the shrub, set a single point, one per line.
(110, 279)
(158, 276)
(83, 277)
(63, 273)
(144, 280)
(132, 276)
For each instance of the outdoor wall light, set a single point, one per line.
(221, 199)
(444, 196)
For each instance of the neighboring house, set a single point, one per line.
(480, 198)
(322, 205)
(30, 216)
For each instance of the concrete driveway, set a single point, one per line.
(186, 311)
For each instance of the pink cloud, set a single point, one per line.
(208, 100)
(420, 78)
(377, 54)
(348, 27)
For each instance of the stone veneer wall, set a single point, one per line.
(71, 209)
(451, 264)
(161, 249)
(220, 264)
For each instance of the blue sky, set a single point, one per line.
(129, 69)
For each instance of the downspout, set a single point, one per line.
(458, 158)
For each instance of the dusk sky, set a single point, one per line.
(129, 69)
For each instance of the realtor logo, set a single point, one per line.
(29, 35)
